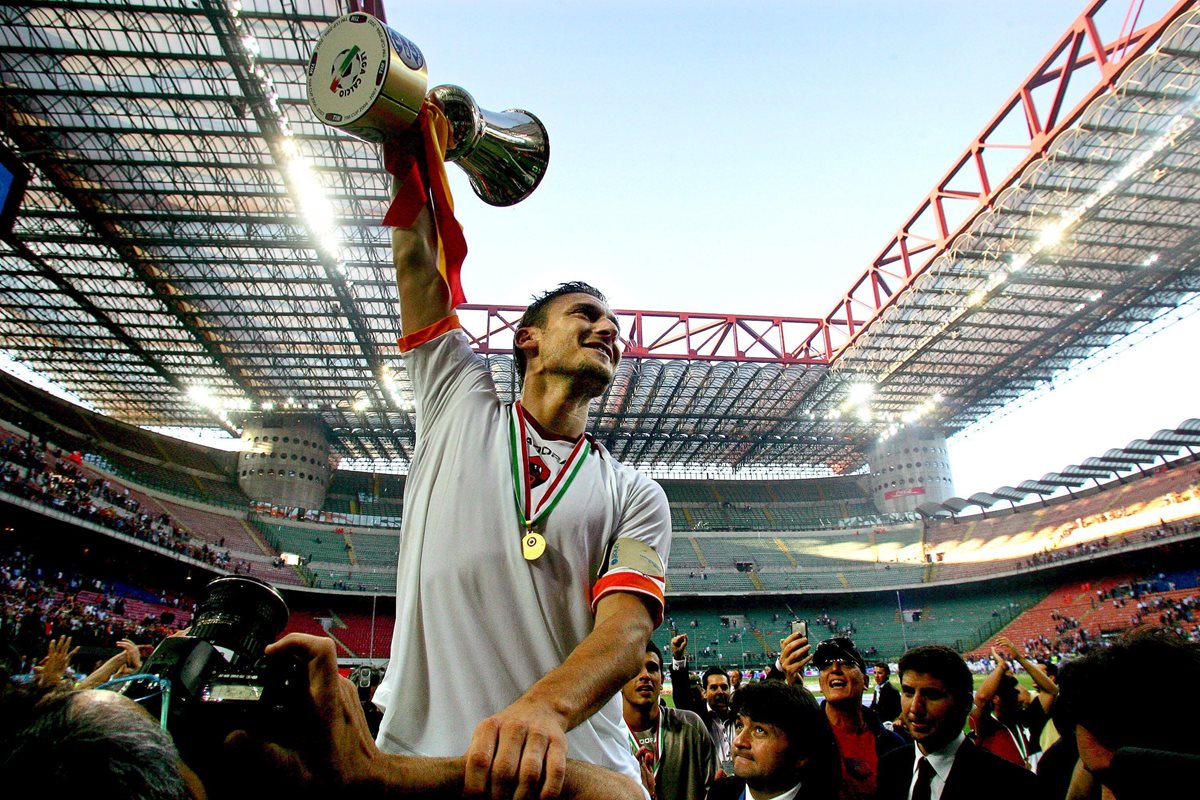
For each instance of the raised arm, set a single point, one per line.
(525, 745)
(681, 678)
(128, 659)
(987, 689)
(424, 298)
(794, 655)
(1047, 689)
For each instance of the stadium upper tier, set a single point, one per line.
(161, 268)
(830, 550)
(730, 537)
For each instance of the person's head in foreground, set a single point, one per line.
(781, 738)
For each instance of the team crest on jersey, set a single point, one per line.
(539, 473)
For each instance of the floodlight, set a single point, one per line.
(861, 393)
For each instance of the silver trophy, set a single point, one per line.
(368, 80)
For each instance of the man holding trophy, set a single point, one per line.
(532, 563)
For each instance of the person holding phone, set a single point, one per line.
(862, 739)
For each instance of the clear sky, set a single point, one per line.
(753, 157)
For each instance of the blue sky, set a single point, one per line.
(754, 157)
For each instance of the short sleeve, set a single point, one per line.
(636, 561)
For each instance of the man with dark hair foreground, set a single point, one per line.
(672, 745)
(936, 695)
(1133, 743)
(783, 747)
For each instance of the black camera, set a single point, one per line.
(216, 680)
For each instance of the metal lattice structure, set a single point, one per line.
(172, 237)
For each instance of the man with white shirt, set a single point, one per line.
(519, 522)
(783, 747)
(936, 695)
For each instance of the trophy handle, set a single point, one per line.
(505, 154)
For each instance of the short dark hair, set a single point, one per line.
(535, 314)
(883, 667)
(947, 666)
(651, 647)
(713, 670)
(795, 711)
(1090, 693)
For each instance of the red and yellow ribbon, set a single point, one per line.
(422, 180)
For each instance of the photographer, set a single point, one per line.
(93, 744)
(336, 753)
(100, 744)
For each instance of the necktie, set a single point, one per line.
(925, 772)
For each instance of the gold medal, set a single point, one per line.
(533, 545)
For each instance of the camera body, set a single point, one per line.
(800, 626)
(219, 679)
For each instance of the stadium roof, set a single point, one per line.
(1166, 445)
(175, 263)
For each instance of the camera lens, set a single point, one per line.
(240, 616)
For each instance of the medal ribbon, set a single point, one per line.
(522, 491)
(658, 743)
(1018, 737)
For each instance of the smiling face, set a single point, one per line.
(931, 712)
(578, 339)
(716, 693)
(842, 682)
(642, 692)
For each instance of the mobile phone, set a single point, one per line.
(800, 626)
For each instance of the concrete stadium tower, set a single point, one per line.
(910, 468)
(285, 461)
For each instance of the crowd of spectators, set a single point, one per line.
(34, 471)
(39, 604)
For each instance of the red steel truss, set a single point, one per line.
(1081, 66)
(674, 334)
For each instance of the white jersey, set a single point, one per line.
(477, 624)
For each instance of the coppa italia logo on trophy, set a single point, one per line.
(348, 69)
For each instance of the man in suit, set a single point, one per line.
(936, 695)
(713, 704)
(886, 702)
(783, 747)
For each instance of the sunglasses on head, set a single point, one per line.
(834, 652)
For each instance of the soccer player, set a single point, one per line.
(532, 563)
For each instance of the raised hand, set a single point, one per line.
(51, 669)
(679, 646)
(794, 655)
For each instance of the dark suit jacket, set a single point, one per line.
(731, 788)
(887, 703)
(686, 699)
(975, 775)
